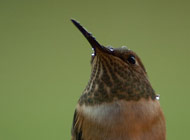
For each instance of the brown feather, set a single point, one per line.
(141, 124)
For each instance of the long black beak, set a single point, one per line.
(92, 40)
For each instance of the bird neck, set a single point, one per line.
(111, 81)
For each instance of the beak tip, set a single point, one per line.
(88, 36)
(74, 21)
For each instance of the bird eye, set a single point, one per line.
(131, 59)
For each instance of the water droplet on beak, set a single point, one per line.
(93, 52)
(111, 49)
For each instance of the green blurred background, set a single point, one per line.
(44, 60)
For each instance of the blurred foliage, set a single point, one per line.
(44, 60)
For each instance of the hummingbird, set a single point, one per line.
(118, 102)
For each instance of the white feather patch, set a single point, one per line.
(120, 111)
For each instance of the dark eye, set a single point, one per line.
(131, 59)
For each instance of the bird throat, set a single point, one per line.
(112, 81)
